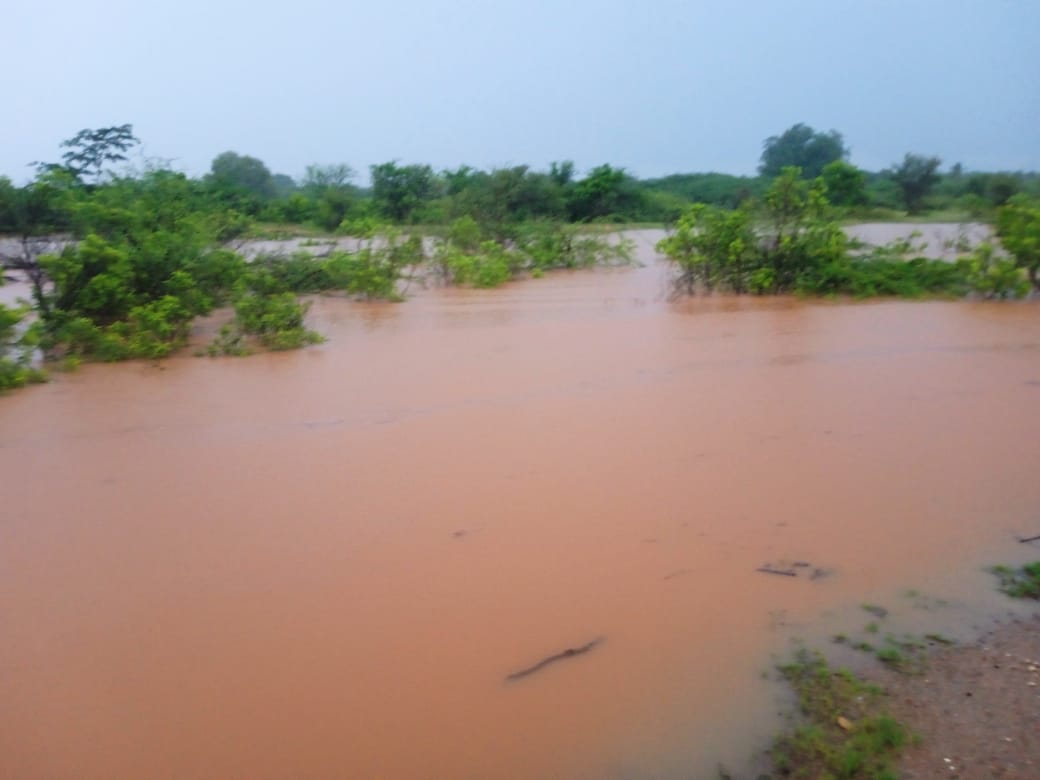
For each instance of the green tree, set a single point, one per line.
(399, 191)
(605, 192)
(242, 181)
(846, 184)
(915, 176)
(90, 151)
(16, 367)
(1018, 225)
(802, 147)
(329, 186)
(36, 216)
(791, 242)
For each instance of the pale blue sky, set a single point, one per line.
(656, 86)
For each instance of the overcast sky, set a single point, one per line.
(655, 86)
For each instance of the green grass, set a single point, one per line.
(1022, 583)
(847, 734)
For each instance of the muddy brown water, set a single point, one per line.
(325, 563)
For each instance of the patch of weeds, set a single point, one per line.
(891, 657)
(848, 733)
(871, 628)
(839, 639)
(1023, 583)
(903, 655)
(865, 647)
(939, 639)
(879, 612)
(910, 593)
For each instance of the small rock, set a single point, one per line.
(845, 723)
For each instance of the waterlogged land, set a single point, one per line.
(326, 563)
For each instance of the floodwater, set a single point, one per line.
(325, 563)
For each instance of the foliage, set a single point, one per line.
(274, 320)
(399, 191)
(1021, 583)
(89, 151)
(605, 192)
(785, 245)
(801, 147)
(372, 272)
(716, 189)
(793, 242)
(16, 369)
(552, 245)
(915, 177)
(330, 192)
(846, 184)
(715, 248)
(848, 733)
(1018, 225)
(241, 182)
(464, 257)
(993, 276)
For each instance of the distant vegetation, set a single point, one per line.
(791, 240)
(120, 262)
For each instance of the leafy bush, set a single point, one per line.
(993, 276)
(1018, 225)
(16, 350)
(274, 320)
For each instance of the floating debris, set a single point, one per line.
(678, 573)
(570, 652)
(794, 569)
(767, 569)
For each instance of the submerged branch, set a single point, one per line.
(570, 652)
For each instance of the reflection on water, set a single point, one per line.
(325, 563)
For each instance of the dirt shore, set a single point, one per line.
(976, 708)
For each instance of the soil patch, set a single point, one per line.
(976, 708)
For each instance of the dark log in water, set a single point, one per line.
(570, 652)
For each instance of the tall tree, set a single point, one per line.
(802, 147)
(330, 188)
(916, 176)
(241, 177)
(605, 192)
(399, 190)
(90, 151)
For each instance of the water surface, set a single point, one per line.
(324, 563)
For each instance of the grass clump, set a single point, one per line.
(1022, 583)
(847, 734)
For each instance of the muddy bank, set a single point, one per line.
(976, 708)
(252, 568)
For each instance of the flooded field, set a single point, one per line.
(324, 564)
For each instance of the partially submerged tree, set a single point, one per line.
(1018, 225)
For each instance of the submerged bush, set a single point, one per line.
(272, 320)
(16, 350)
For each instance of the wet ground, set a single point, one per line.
(326, 563)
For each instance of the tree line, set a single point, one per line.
(120, 265)
(120, 262)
